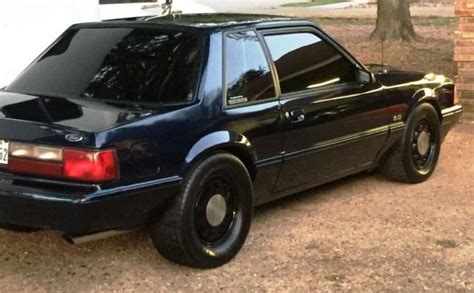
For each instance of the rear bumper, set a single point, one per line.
(451, 116)
(77, 215)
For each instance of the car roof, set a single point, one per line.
(217, 21)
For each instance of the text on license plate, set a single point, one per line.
(3, 152)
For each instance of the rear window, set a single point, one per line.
(117, 64)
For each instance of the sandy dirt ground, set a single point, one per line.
(433, 52)
(362, 233)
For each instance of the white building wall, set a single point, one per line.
(27, 27)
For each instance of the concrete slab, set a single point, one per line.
(341, 5)
(245, 6)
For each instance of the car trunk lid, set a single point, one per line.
(49, 119)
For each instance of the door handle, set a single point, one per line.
(296, 116)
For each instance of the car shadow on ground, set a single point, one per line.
(319, 194)
(45, 257)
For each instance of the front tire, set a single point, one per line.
(414, 158)
(209, 220)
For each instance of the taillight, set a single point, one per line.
(76, 164)
(30, 151)
(89, 165)
(30, 166)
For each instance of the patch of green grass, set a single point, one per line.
(435, 21)
(417, 21)
(313, 3)
(344, 21)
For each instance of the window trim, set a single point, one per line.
(318, 33)
(268, 58)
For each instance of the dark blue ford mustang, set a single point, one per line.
(186, 123)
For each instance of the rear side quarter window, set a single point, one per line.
(248, 75)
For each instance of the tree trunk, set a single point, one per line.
(394, 21)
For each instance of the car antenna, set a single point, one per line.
(167, 7)
(383, 61)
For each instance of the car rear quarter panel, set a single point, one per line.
(406, 95)
(168, 143)
(155, 146)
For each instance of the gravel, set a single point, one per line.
(360, 233)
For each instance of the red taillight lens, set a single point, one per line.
(76, 164)
(92, 166)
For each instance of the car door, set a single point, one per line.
(251, 105)
(334, 118)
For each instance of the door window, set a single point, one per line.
(248, 75)
(304, 61)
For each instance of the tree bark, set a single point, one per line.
(394, 21)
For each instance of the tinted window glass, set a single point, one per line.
(118, 64)
(248, 74)
(304, 61)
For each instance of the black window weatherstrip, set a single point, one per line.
(320, 91)
(271, 64)
(276, 83)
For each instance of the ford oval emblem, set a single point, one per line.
(74, 137)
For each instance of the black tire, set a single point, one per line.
(184, 233)
(405, 162)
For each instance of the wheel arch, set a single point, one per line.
(425, 95)
(234, 143)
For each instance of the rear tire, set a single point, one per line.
(208, 222)
(414, 158)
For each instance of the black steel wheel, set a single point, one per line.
(209, 220)
(414, 158)
(215, 210)
(423, 146)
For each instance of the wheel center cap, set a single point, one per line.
(423, 143)
(216, 210)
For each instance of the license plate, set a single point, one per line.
(4, 152)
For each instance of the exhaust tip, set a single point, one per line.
(68, 239)
(80, 239)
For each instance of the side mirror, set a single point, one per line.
(364, 77)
